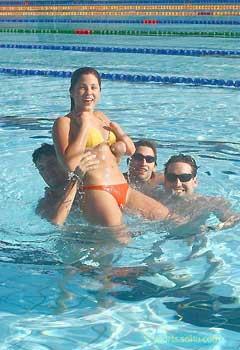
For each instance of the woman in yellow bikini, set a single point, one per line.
(105, 189)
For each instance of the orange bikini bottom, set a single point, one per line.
(119, 192)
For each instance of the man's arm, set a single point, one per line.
(87, 162)
(56, 208)
(64, 205)
(230, 222)
(224, 212)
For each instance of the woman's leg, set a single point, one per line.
(100, 207)
(149, 208)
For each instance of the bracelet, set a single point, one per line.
(73, 176)
(77, 174)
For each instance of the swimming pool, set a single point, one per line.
(46, 303)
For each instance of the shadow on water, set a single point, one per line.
(197, 306)
(154, 279)
(194, 303)
(29, 123)
(205, 310)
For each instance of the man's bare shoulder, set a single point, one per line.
(214, 201)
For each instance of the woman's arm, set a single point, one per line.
(122, 136)
(70, 138)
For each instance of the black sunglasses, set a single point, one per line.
(141, 157)
(182, 177)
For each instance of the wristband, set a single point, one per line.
(73, 176)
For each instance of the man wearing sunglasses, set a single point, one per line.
(180, 175)
(180, 182)
(142, 174)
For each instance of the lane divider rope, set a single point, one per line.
(137, 50)
(133, 32)
(136, 78)
(112, 2)
(116, 13)
(122, 21)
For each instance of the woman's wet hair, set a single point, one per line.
(45, 150)
(183, 158)
(76, 76)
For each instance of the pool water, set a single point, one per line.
(47, 301)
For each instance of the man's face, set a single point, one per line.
(50, 170)
(142, 163)
(179, 186)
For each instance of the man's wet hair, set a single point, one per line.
(149, 144)
(183, 158)
(44, 150)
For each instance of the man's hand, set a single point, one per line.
(87, 163)
(230, 222)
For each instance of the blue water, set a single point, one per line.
(46, 301)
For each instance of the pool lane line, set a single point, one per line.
(123, 21)
(137, 50)
(135, 78)
(126, 9)
(91, 6)
(117, 2)
(117, 13)
(130, 32)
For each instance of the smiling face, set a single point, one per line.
(85, 93)
(176, 185)
(139, 168)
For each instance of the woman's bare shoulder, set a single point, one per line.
(63, 120)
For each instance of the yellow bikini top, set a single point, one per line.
(95, 138)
